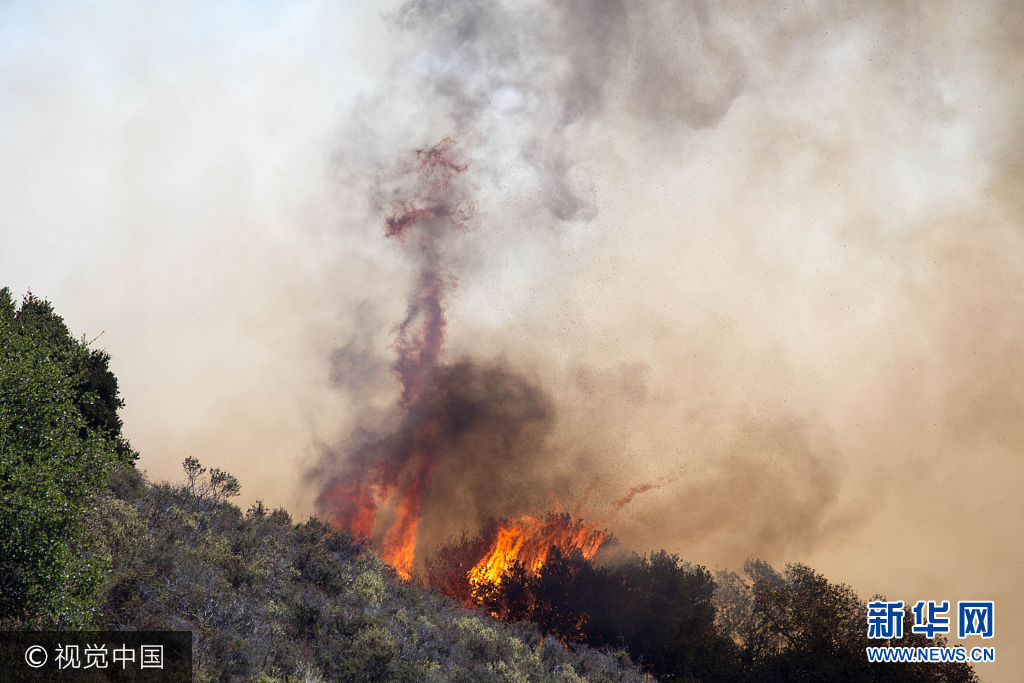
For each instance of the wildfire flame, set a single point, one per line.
(529, 541)
(392, 472)
(398, 468)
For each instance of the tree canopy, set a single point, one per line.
(60, 440)
(682, 623)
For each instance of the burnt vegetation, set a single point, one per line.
(88, 542)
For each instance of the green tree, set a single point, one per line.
(58, 447)
(656, 607)
(797, 626)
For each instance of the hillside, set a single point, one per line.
(269, 599)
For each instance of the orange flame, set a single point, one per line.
(399, 544)
(529, 540)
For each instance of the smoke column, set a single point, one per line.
(398, 467)
(522, 88)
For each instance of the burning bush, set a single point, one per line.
(542, 570)
(474, 565)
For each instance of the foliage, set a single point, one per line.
(58, 447)
(656, 607)
(797, 626)
(447, 568)
(681, 623)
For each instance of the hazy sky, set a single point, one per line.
(774, 257)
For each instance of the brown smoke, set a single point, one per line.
(488, 69)
(397, 468)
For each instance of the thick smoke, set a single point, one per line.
(519, 86)
(522, 83)
(400, 466)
